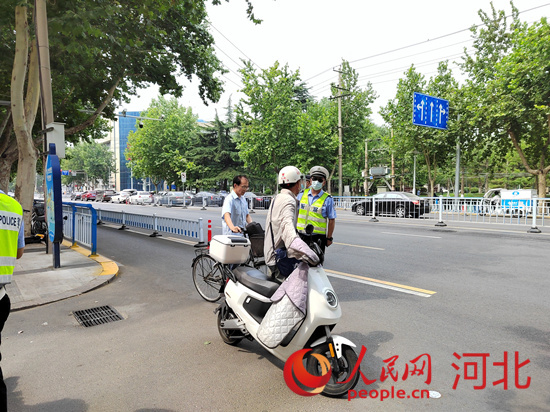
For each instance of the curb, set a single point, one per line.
(109, 270)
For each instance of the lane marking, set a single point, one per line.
(405, 234)
(364, 247)
(381, 283)
(449, 225)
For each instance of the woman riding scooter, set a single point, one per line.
(280, 226)
(299, 314)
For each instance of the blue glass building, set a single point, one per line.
(125, 126)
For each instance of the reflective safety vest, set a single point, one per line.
(11, 219)
(312, 214)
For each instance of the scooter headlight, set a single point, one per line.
(331, 298)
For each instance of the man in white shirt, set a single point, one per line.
(235, 208)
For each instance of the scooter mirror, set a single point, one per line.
(309, 229)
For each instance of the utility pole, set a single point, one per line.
(366, 182)
(46, 99)
(340, 133)
(392, 167)
(339, 97)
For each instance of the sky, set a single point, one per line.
(381, 39)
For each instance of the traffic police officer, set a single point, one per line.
(12, 245)
(317, 208)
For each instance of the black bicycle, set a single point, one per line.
(209, 274)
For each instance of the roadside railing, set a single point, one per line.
(444, 209)
(175, 226)
(80, 225)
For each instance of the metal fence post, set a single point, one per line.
(534, 228)
(251, 210)
(155, 227)
(94, 232)
(123, 221)
(441, 223)
(201, 235)
(373, 218)
(74, 223)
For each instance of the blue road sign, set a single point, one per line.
(430, 111)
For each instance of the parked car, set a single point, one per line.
(258, 201)
(172, 198)
(209, 199)
(123, 196)
(105, 195)
(140, 198)
(223, 193)
(76, 195)
(89, 195)
(157, 197)
(400, 204)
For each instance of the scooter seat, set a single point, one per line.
(255, 280)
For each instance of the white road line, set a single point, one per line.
(379, 285)
(405, 234)
(364, 247)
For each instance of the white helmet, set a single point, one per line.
(289, 174)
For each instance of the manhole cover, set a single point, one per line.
(96, 316)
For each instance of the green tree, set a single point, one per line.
(158, 150)
(100, 52)
(214, 156)
(436, 146)
(94, 159)
(268, 118)
(509, 89)
(356, 125)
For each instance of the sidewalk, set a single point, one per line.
(35, 282)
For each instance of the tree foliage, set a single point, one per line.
(95, 159)
(436, 146)
(101, 51)
(158, 150)
(268, 118)
(508, 90)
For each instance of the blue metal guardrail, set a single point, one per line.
(182, 227)
(80, 225)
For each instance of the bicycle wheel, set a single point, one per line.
(207, 277)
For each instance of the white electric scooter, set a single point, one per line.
(246, 301)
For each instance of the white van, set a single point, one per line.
(517, 202)
(501, 201)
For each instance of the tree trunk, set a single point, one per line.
(24, 112)
(541, 184)
(542, 171)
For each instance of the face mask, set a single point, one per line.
(315, 185)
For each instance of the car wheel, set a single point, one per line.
(360, 210)
(400, 211)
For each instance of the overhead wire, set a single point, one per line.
(230, 42)
(420, 43)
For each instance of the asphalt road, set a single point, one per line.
(464, 290)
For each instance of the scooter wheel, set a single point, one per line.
(227, 335)
(345, 365)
